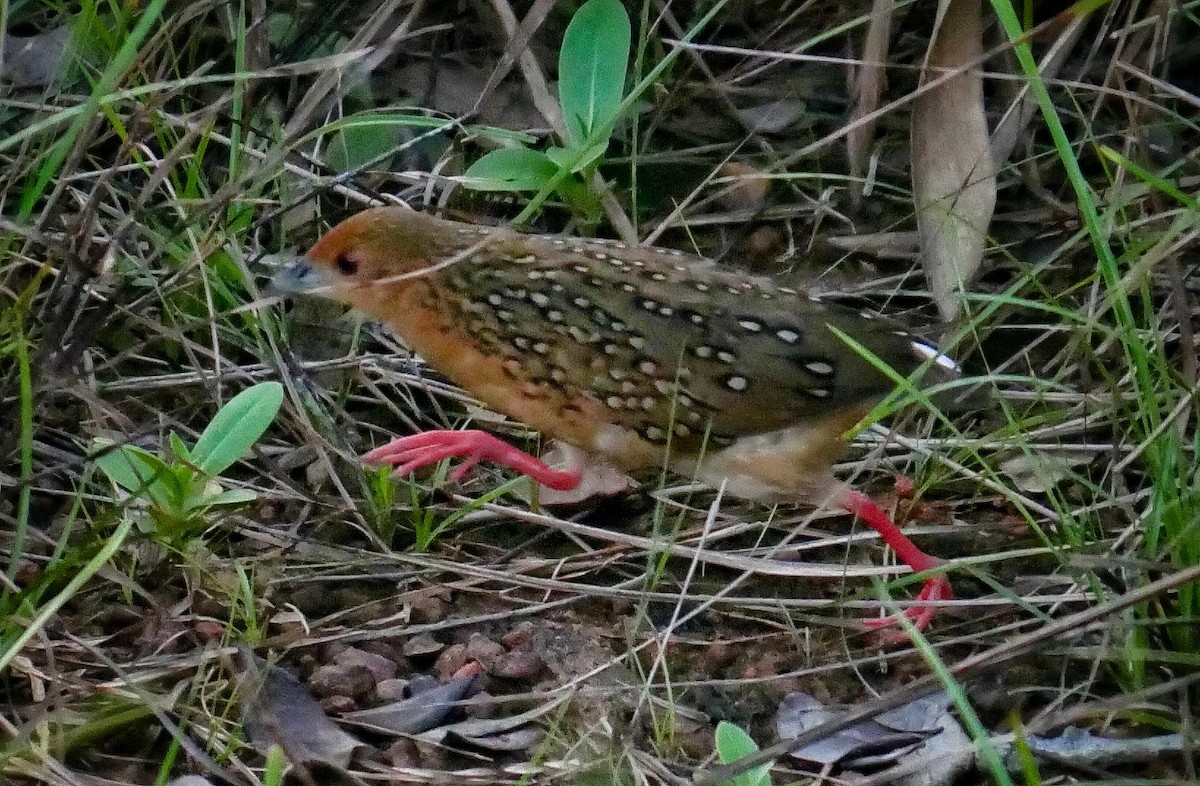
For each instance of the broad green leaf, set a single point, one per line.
(236, 427)
(591, 68)
(564, 157)
(230, 497)
(733, 743)
(510, 169)
(142, 473)
(180, 448)
(355, 145)
(423, 122)
(122, 466)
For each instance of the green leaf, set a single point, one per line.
(591, 68)
(122, 466)
(142, 473)
(230, 497)
(180, 448)
(354, 145)
(569, 157)
(236, 427)
(733, 743)
(510, 169)
(398, 121)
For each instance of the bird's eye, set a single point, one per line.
(347, 265)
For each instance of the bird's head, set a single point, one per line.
(368, 259)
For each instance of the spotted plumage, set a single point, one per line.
(634, 356)
(669, 346)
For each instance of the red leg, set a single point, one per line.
(430, 447)
(936, 587)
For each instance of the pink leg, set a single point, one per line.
(430, 447)
(936, 587)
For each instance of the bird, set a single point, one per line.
(631, 355)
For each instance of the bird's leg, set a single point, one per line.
(936, 588)
(430, 447)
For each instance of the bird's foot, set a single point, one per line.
(936, 588)
(430, 447)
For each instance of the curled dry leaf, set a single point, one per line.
(954, 180)
(921, 731)
(35, 61)
(278, 710)
(494, 733)
(800, 712)
(1037, 473)
(868, 86)
(1082, 748)
(420, 712)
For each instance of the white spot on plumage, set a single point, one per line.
(928, 351)
(737, 383)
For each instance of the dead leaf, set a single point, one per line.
(868, 83)
(35, 61)
(772, 117)
(921, 737)
(800, 712)
(1082, 748)
(954, 180)
(1037, 473)
(472, 729)
(420, 712)
(455, 88)
(278, 710)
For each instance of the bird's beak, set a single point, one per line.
(298, 277)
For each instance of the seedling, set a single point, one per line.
(181, 489)
(591, 88)
(733, 743)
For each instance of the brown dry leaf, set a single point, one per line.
(277, 709)
(35, 61)
(869, 86)
(954, 179)
(455, 89)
